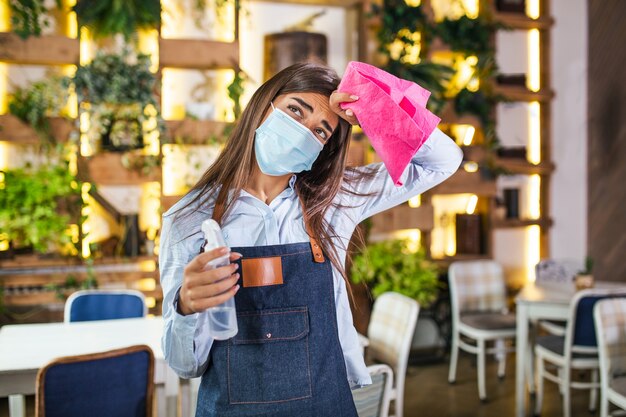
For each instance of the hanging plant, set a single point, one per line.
(397, 16)
(463, 35)
(111, 17)
(39, 101)
(470, 36)
(235, 91)
(397, 43)
(116, 78)
(29, 17)
(117, 91)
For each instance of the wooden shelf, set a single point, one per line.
(446, 261)
(465, 182)
(517, 93)
(16, 131)
(198, 54)
(475, 153)
(404, 217)
(521, 21)
(449, 116)
(106, 168)
(39, 298)
(43, 50)
(522, 166)
(479, 155)
(32, 271)
(194, 132)
(27, 280)
(515, 223)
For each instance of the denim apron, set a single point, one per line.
(286, 360)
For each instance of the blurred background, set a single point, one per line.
(108, 116)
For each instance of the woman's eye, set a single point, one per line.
(295, 110)
(322, 134)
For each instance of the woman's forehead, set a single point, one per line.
(319, 102)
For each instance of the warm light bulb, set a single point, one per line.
(534, 61)
(532, 9)
(470, 167)
(471, 204)
(415, 201)
(469, 135)
(533, 153)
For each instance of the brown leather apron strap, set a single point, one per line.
(318, 254)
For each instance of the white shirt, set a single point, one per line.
(252, 222)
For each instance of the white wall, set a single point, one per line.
(568, 204)
(261, 18)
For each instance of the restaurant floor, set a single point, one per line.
(428, 393)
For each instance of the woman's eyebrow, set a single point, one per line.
(303, 103)
(310, 109)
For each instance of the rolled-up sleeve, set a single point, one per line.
(185, 346)
(435, 161)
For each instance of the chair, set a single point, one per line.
(115, 383)
(390, 333)
(610, 321)
(373, 400)
(555, 273)
(479, 313)
(87, 305)
(577, 350)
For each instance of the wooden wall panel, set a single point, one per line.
(607, 139)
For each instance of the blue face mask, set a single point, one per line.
(284, 146)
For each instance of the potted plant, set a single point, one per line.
(37, 204)
(584, 278)
(116, 90)
(38, 102)
(30, 17)
(106, 18)
(391, 266)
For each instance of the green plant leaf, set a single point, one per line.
(389, 266)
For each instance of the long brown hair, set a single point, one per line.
(316, 188)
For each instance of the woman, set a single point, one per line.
(288, 207)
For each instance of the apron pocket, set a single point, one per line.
(268, 359)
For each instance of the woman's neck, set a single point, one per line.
(266, 187)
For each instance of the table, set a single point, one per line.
(25, 348)
(548, 301)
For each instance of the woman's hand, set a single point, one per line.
(207, 288)
(336, 98)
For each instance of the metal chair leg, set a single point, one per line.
(539, 386)
(482, 391)
(454, 357)
(501, 356)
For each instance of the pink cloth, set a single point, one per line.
(392, 113)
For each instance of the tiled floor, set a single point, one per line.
(428, 393)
